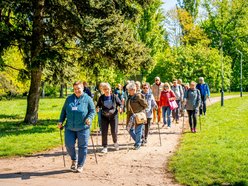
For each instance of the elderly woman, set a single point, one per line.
(166, 96)
(151, 105)
(79, 111)
(136, 103)
(109, 104)
(192, 98)
(97, 95)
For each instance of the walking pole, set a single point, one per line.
(124, 132)
(62, 145)
(200, 122)
(159, 130)
(94, 149)
(183, 121)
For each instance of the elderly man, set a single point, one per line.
(205, 93)
(157, 88)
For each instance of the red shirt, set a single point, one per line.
(164, 98)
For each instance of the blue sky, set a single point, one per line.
(169, 4)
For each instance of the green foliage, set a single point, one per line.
(191, 6)
(218, 154)
(17, 139)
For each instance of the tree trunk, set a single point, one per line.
(66, 90)
(61, 93)
(36, 63)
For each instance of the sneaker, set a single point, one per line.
(73, 166)
(168, 127)
(143, 143)
(137, 147)
(116, 146)
(105, 150)
(194, 130)
(80, 169)
(164, 125)
(177, 122)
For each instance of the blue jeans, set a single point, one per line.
(70, 141)
(166, 112)
(136, 134)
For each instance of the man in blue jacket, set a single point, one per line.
(79, 111)
(205, 93)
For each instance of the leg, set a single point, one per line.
(154, 115)
(168, 110)
(83, 138)
(70, 140)
(105, 125)
(190, 119)
(201, 105)
(99, 119)
(194, 115)
(147, 128)
(178, 109)
(204, 102)
(164, 115)
(132, 133)
(138, 135)
(159, 112)
(114, 127)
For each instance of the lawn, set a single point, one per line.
(218, 155)
(18, 139)
(228, 94)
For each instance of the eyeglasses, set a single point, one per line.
(166, 87)
(145, 87)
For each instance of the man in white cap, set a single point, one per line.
(157, 87)
(205, 93)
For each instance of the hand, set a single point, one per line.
(87, 121)
(60, 126)
(120, 110)
(97, 109)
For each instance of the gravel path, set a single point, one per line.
(147, 166)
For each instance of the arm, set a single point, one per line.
(153, 102)
(198, 99)
(118, 101)
(173, 96)
(63, 113)
(208, 90)
(91, 111)
(142, 102)
(99, 102)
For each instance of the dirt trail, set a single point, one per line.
(147, 166)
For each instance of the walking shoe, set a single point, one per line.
(144, 142)
(168, 127)
(194, 130)
(137, 147)
(80, 169)
(116, 146)
(177, 122)
(73, 165)
(105, 150)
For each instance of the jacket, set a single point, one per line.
(138, 104)
(156, 90)
(116, 102)
(151, 103)
(164, 98)
(193, 99)
(76, 111)
(178, 90)
(204, 89)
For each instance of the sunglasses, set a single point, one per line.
(166, 87)
(145, 88)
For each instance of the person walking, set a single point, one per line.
(136, 103)
(79, 111)
(109, 104)
(192, 99)
(157, 88)
(167, 95)
(97, 95)
(87, 89)
(178, 90)
(205, 93)
(151, 105)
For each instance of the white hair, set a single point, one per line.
(106, 85)
(131, 86)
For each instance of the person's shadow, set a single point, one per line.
(28, 175)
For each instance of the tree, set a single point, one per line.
(41, 28)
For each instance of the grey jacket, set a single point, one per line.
(192, 98)
(178, 90)
(151, 104)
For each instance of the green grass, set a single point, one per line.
(18, 139)
(227, 94)
(217, 155)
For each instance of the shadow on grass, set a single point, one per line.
(5, 116)
(19, 128)
(237, 183)
(28, 175)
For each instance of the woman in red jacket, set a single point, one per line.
(166, 96)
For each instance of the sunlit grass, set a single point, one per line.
(219, 153)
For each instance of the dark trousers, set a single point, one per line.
(192, 118)
(175, 112)
(113, 122)
(147, 128)
(203, 107)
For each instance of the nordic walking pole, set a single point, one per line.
(124, 132)
(200, 122)
(94, 149)
(183, 121)
(159, 130)
(62, 145)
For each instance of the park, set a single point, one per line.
(46, 47)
